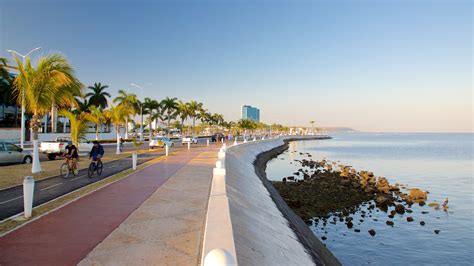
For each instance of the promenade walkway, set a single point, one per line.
(154, 216)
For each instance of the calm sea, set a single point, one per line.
(439, 163)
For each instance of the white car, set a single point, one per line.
(58, 147)
(10, 153)
(160, 142)
(193, 140)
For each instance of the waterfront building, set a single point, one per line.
(252, 113)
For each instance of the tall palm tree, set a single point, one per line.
(194, 108)
(116, 115)
(98, 96)
(130, 101)
(5, 87)
(149, 106)
(78, 124)
(42, 85)
(170, 105)
(183, 113)
(97, 117)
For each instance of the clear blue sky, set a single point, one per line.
(371, 65)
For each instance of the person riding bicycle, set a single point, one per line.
(72, 155)
(121, 144)
(97, 152)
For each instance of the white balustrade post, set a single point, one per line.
(134, 160)
(254, 138)
(207, 141)
(221, 156)
(219, 257)
(28, 191)
(235, 141)
(245, 140)
(189, 145)
(167, 149)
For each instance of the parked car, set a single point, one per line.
(10, 153)
(217, 137)
(58, 147)
(160, 142)
(193, 140)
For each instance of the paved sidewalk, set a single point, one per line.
(168, 228)
(67, 235)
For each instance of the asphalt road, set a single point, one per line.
(11, 199)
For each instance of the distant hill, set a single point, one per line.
(337, 129)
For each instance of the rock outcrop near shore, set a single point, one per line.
(327, 192)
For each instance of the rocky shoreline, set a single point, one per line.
(323, 192)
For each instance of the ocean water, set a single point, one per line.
(439, 163)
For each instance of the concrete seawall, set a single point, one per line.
(266, 231)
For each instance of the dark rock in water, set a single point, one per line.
(437, 231)
(422, 223)
(393, 212)
(283, 179)
(391, 216)
(409, 211)
(410, 219)
(324, 238)
(389, 223)
(357, 230)
(361, 220)
(291, 178)
(425, 212)
(372, 232)
(375, 219)
(421, 203)
(400, 209)
(296, 173)
(309, 222)
(349, 224)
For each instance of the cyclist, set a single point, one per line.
(97, 152)
(121, 144)
(72, 155)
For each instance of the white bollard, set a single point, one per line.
(28, 191)
(219, 257)
(221, 156)
(167, 149)
(254, 138)
(134, 160)
(235, 141)
(224, 147)
(245, 140)
(263, 137)
(207, 142)
(219, 169)
(189, 145)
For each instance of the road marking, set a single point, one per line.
(114, 166)
(3, 202)
(51, 186)
(78, 177)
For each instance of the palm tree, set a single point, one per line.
(117, 115)
(78, 124)
(149, 106)
(194, 108)
(5, 87)
(42, 86)
(130, 101)
(98, 96)
(97, 117)
(170, 105)
(183, 113)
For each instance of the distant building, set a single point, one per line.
(252, 113)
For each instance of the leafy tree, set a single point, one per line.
(194, 108)
(98, 96)
(78, 124)
(96, 116)
(130, 101)
(51, 81)
(170, 106)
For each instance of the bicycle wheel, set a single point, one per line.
(90, 171)
(75, 171)
(64, 170)
(100, 166)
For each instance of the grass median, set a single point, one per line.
(13, 175)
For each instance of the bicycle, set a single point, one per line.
(67, 168)
(95, 167)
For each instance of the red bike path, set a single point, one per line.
(67, 235)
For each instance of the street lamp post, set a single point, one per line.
(22, 135)
(141, 110)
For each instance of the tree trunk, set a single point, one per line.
(97, 131)
(194, 124)
(36, 166)
(117, 132)
(54, 119)
(151, 130)
(126, 127)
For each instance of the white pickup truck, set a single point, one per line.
(58, 147)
